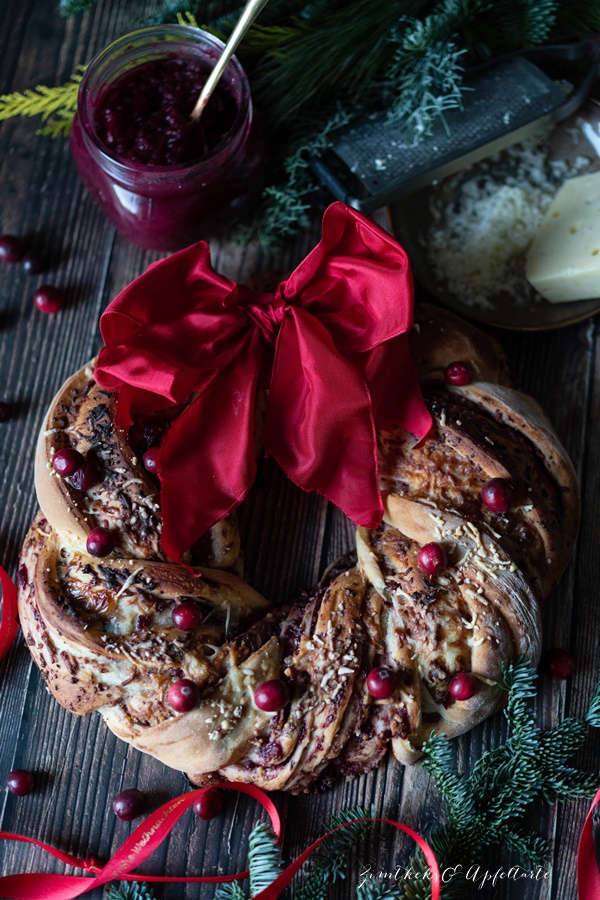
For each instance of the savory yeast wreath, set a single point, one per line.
(396, 643)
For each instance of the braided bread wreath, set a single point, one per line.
(102, 632)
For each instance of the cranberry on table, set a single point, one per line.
(100, 541)
(49, 299)
(187, 615)
(560, 664)
(86, 476)
(4, 411)
(497, 495)
(463, 686)
(183, 695)
(459, 373)
(32, 263)
(65, 462)
(381, 682)
(150, 460)
(209, 805)
(20, 782)
(432, 558)
(129, 804)
(12, 248)
(271, 696)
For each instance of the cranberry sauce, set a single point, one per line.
(163, 180)
(145, 115)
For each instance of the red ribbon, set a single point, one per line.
(331, 345)
(148, 836)
(588, 876)
(10, 613)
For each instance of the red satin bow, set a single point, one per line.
(331, 346)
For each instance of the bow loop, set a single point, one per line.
(330, 343)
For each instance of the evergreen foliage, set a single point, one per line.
(55, 105)
(129, 890)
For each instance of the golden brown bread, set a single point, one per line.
(102, 634)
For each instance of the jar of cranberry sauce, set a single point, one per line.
(159, 177)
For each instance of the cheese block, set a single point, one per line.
(563, 261)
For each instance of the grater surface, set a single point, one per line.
(500, 102)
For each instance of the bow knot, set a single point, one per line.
(330, 344)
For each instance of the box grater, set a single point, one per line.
(376, 162)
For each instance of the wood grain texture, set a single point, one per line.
(289, 537)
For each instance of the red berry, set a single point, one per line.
(129, 804)
(432, 558)
(459, 373)
(4, 411)
(12, 248)
(187, 616)
(497, 495)
(86, 476)
(560, 664)
(463, 686)
(183, 695)
(49, 299)
(271, 696)
(150, 460)
(100, 541)
(20, 782)
(33, 263)
(209, 805)
(381, 682)
(66, 462)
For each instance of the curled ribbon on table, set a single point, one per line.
(9, 625)
(150, 834)
(588, 875)
(331, 345)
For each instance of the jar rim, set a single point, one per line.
(200, 38)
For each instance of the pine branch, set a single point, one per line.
(264, 858)
(330, 860)
(593, 714)
(129, 890)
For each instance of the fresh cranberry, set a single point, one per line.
(33, 263)
(86, 476)
(459, 373)
(432, 558)
(560, 664)
(381, 682)
(271, 696)
(150, 460)
(129, 804)
(4, 411)
(100, 541)
(209, 805)
(66, 462)
(187, 616)
(12, 248)
(20, 782)
(183, 695)
(497, 495)
(49, 299)
(463, 686)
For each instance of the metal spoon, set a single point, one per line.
(249, 14)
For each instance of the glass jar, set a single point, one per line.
(165, 207)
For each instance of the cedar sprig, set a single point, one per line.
(55, 105)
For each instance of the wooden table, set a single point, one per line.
(289, 537)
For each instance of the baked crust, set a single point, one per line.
(102, 634)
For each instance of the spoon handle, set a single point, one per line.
(249, 14)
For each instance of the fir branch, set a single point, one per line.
(264, 858)
(56, 105)
(532, 849)
(129, 890)
(562, 742)
(72, 7)
(232, 890)
(330, 861)
(592, 716)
